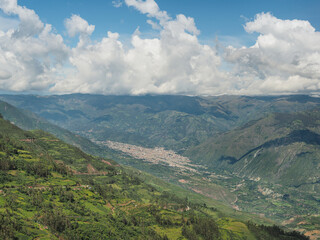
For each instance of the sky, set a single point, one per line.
(137, 47)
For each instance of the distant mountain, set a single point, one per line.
(282, 148)
(180, 122)
(173, 122)
(30, 121)
(52, 190)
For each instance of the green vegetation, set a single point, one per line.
(269, 166)
(51, 190)
(280, 148)
(173, 122)
(275, 161)
(30, 121)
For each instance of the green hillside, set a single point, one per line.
(289, 197)
(174, 122)
(51, 190)
(272, 165)
(29, 121)
(282, 148)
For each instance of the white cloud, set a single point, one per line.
(30, 23)
(117, 3)
(149, 7)
(29, 53)
(4, 74)
(8, 23)
(173, 63)
(154, 25)
(284, 59)
(77, 25)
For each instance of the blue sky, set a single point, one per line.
(213, 18)
(135, 47)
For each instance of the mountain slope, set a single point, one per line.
(281, 148)
(51, 190)
(29, 121)
(173, 122)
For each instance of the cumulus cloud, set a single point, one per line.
(77, 25)
(4, 74)
(8, 23)
(173, 63)
(284, 59)
(30, 23)
(154, 25)
(29, 53)
(149, 7)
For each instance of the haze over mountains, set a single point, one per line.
(280, 148)
(29, 121)
(276, 133)
(174, 122)
(195, 121)
(50, 189)
(250, 151)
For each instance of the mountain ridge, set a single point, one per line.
(173, 122)
(278, 136)
(41, 198)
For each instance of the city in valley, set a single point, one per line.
(157, 155)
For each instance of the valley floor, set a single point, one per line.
(291, 207)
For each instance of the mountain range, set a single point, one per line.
(173, 122)
(52, 190)
(281, 148)
(255, 154)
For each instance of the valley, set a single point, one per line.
(254, 155)
(52, 190)
(291, 207)
(156, 155)
(172, 122)
(159, 120)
